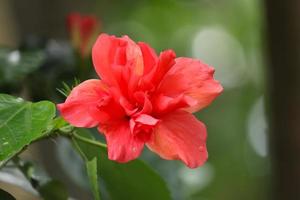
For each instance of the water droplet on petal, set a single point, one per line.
(134, 149)
(201, 148)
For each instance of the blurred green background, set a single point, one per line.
(225, 34)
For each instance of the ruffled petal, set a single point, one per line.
(122, 145)
(111, 54)
(180, 136)
(107, 110)
(165, 61)
(166, 104)
(119, 62)
(192, 78)
(85, 96)
(134, 57)
(149, 56)
(103, 55)
(147, 120)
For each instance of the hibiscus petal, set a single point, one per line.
(103, 55)
(134, 55)
(192, 78)
(165, 104)
(149, 56)
(164, 64)
(107, 110)
(84, 96)
(122, 145)
(147, 120)
(119, 62)
(180, 136)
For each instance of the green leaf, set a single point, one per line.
(53, 190)
(133, 180)
(21, 122)
(5, 195)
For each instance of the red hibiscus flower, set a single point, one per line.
(83, 29)
(144, 99)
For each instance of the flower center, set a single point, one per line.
(142, 126)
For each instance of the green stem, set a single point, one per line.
(86, 140)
